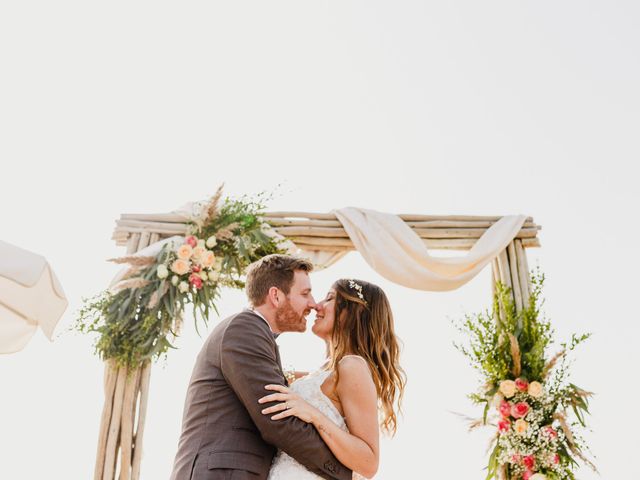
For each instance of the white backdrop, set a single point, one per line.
(456, 108)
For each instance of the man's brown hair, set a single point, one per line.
(273, 271)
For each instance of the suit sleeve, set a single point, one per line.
(249, 363)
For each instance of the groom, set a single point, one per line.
(224, 435)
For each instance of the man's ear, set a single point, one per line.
(274, 296)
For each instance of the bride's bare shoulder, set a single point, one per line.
(354, 370)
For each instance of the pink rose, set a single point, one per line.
(195, 280)
(505, 409)
(519, 410)
(529, 461)
(551, 431)
(556, 458)
(527, 474)
(516, 458)
(522, 384)
(191, 240)
(504, 425)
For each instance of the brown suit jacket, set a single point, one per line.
(224, 435)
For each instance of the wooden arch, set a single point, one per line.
(126, 393)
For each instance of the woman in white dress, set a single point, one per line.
(358, 390)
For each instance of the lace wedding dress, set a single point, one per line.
(286, 468)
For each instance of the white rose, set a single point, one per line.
(211, 241)
(535, 389)
(175, 280)
(201, 243)
(213, 276)
(183, 287)
(508, 388)
(163, 271)
(538, 476)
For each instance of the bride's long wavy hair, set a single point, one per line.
(364, 326)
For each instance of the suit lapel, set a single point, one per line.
(280, 363)
(275, 345)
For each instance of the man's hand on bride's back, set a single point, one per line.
(291, 404)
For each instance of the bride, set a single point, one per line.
(359, 388)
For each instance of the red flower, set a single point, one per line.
(556, 458)
(519, 410)
(195, 268)
(505, 409)
(527, 474)
(522, 384)
(503, 425)
(195, 280)
(191, 240)
(529, 461)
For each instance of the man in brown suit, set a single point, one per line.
(224, 434)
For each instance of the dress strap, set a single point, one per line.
(353, 356)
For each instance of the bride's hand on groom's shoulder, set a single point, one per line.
(291, 404)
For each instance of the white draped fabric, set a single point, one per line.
(30, 297)
(397, 253)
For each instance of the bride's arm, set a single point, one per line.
(357, 449)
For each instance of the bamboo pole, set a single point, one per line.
(156, 217)
(287, 222)
(502, 275)
(334, 232)
(126, 427)
(164, 231)
(132, 243)
(495, 276)
(503, 268)
(144, 240)
(160, 226)
(114, 427)
(177, 218)
(515, 281)
(145, 377)
(110, 377)
(403, 216)
(523, 271)
(341, 244)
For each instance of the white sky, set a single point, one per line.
(406, 107)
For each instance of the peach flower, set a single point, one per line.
(185, 251)
(508, 388)
(208, 259)
(180, 266)
(521, 426)
(535, 389)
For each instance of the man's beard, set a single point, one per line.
(288, 320)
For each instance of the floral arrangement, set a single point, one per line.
(527, 398)
(137, 316)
